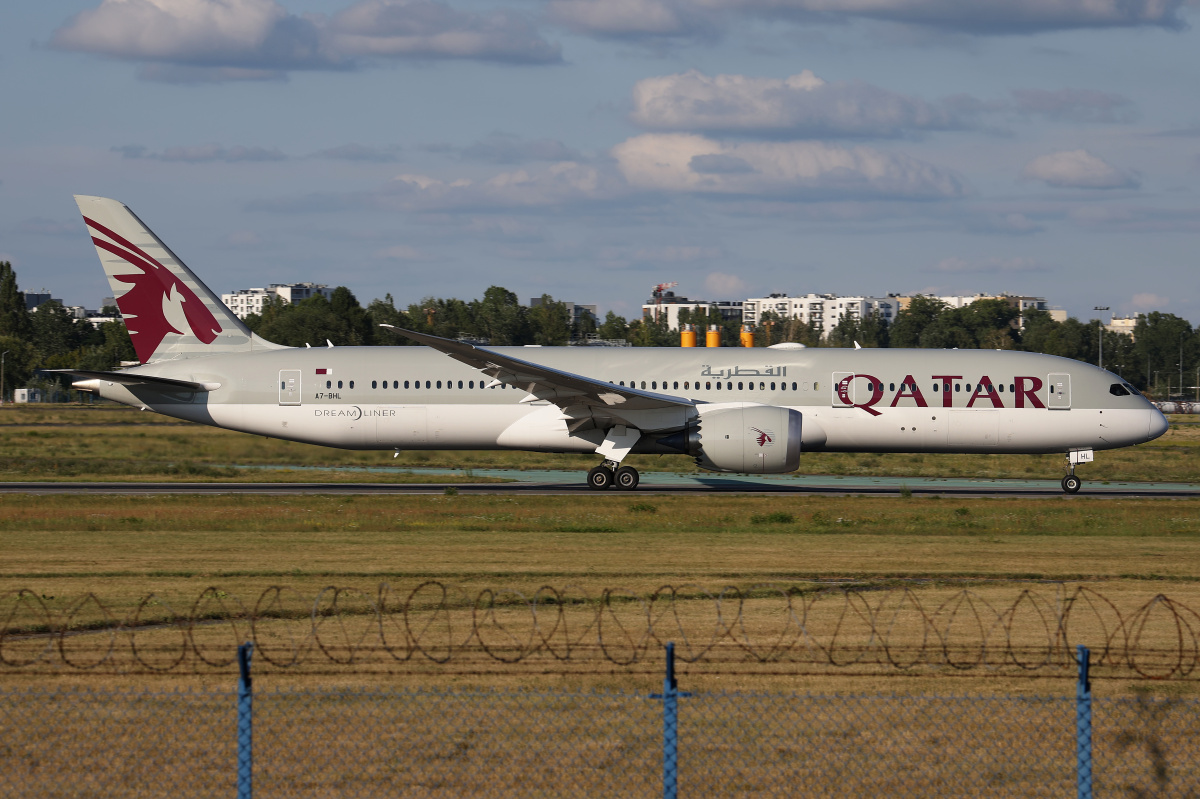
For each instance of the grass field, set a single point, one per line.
(121, 548)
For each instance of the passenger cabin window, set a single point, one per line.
(1118, 390)
(351, 384)
(328, 384)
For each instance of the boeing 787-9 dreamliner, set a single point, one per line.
(747, 410)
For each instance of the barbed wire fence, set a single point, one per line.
(496, 742)
(444, 628)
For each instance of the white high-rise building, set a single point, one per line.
(823, 311)
(244, 302)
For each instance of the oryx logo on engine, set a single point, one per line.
(765, 438)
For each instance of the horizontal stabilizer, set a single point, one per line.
(135, 379)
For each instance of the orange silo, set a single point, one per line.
(713, 337)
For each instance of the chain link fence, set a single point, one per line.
(75, 742)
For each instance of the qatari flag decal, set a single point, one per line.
(324, 371)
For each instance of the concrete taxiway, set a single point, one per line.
(571, 482)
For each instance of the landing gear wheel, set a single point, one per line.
(627, 478)
(1071, 484)
(600, 478)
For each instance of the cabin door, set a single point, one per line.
(1059, 392)
(289, 386)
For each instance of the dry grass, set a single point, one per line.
(121, 548)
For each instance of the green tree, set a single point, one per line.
(501, 317)
(584, 326)
(613, 327)
(550, 322)
(384, 312)
(356, 322)
(844, 333)
(1166, 344)
(54, 334)
(650, 332)
(19, 363)
(991, 323)
(910, 323)
(874, 331)
(14, 319)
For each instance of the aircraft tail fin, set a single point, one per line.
(169, 312)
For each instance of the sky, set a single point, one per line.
(590, 149)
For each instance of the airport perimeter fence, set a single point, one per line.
(639, 741)
(672, 743)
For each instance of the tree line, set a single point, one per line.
(1161, 356)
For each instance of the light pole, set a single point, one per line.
(2, 357)
(1100, 331)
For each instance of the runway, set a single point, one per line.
(565, 483)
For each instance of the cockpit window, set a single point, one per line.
(1132, 390)
(1118, 390)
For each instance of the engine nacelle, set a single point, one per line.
(754, 439)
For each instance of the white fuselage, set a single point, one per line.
(851, 400)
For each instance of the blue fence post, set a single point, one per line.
(245, 725)
(670, 697)
(1083, 726)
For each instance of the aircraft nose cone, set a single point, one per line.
(1158, 425)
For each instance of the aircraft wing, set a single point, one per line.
(583, 398)
(135, 379)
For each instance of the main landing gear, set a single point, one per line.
(609, 473)
(1071, 483)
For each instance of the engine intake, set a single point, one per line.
(753, 439)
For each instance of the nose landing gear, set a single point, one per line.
(609, 474)
(1071, 483)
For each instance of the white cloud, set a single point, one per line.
(1074, 105)
(797, 170)
(557, 184)
(632, 18)
(506, 148)
(425, 29)
(1078, 169)
(677, 254)
(359, 152)
(1148, 302)
(243, 33)
(799, 106)
(987, 266)
(986, 16)
(402, 252)
(243, 238)
(203, 153)
(1132, 219)
(639, 19)
(720, 284)
(217, 40)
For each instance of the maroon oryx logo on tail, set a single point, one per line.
(155, 293)
(765, 437)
